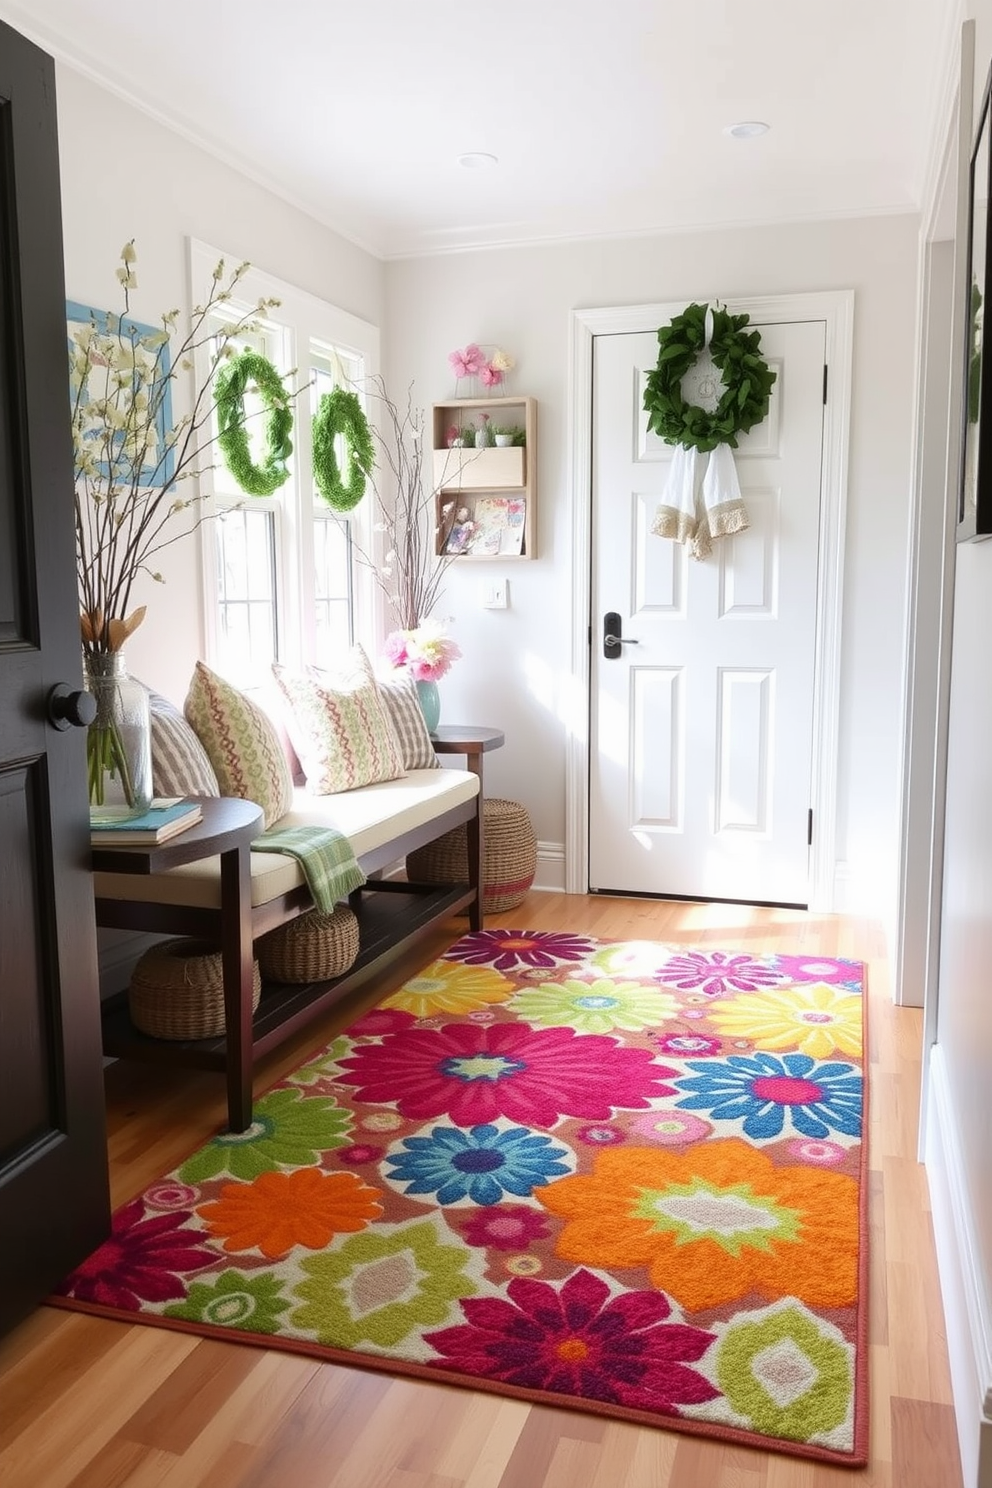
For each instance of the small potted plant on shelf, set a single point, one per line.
(508, 434)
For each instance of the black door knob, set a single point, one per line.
(68, 709)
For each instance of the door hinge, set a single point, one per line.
(809, 827)
(825, 370)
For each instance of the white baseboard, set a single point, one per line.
(550, 867)
(964, 1288)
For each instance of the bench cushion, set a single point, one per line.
(369, 818)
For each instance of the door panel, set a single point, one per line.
(657, 766)
(743, 762)
(54, 1204)
(701, 730)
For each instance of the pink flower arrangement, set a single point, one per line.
(472, 362)
(425, 652)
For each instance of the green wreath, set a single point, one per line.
(229, 390)
(747, 381)
(339, 412)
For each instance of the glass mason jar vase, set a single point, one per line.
(118, 741)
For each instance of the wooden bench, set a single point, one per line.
(208, 884)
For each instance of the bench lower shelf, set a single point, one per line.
(391, 919)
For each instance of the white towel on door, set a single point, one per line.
(701, 500)
(676, 516)
(724, 512)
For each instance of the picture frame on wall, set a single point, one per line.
(138, 340)
(975, 485)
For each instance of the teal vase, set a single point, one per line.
(430, 704)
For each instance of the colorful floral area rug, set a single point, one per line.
(619, 1176)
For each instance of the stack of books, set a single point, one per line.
(162, 820)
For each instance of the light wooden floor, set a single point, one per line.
(86, 1403)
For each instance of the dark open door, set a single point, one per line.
(53, 1168)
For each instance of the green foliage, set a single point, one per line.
(339, 413)
(229, 390)
(747, 381)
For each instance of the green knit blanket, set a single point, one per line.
(325, 856)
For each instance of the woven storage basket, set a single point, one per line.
(312, 948)
(177, 991)
(509, 856)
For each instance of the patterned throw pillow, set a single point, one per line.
(400, 693)
(180, 765)
(241, 743)
(343, 735)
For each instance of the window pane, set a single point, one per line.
(333, 630)
(332, 585)
(332, 545)
(246, 593)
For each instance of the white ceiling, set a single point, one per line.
(607, 116)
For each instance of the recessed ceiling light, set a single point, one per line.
(477, 160)
(747, 129)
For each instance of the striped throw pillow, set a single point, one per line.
(180, 764)
(400, 694)
(241, 743)
(342, 734)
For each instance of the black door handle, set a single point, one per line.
(613, 640)
(68, 709)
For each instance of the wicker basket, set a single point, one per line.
(509, 856)
(312, 948)
(177, 991)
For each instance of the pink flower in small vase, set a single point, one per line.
(426, 652)
(432, 658)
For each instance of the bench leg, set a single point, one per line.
(237, 959)
(475, 845)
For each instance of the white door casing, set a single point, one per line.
(701, 729)
(835, 309)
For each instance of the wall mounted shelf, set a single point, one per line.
(485, 498)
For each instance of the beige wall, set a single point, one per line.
(514, 672)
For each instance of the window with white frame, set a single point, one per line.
(279, 578)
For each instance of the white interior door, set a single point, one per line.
(701, 731)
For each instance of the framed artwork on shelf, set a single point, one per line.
(490, 526)
(975, 484)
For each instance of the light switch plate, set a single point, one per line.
(494, 594)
